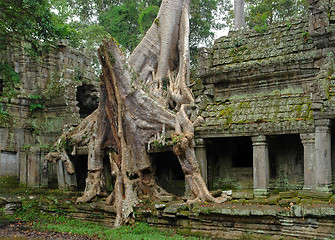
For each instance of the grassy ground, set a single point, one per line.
(41, 221)
(55, 219)
(38, 220)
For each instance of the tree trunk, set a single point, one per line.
(134, 108)
(239, 17)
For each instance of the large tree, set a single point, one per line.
(135, 108)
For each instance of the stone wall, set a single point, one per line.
(291, 215)
(273, 87)
(259, 82)
(46, 101)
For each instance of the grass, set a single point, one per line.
(36, 219)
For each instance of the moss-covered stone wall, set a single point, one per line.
(259, 82)
(278, 82)
(44, 101)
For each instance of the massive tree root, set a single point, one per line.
(134, 106)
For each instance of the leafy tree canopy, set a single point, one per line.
(30, 20)
(261, 13)
(86, 22)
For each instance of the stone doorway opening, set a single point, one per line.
(81, 168)
(169, 174)
(80, 164)
(230, 163)
(286, 156)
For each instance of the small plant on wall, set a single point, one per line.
(9, 81)
(36, 102)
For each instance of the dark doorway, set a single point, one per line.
(169, 174)
(230, 163)
(80, 164)
(286, 155)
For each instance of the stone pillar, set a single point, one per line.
(60, 174)
(70, 180)
(323, 172)
(23, 168)
(44, 171)
(261, 165)
(308, 141)
(201, 155)
(65, 180)
(33, 168)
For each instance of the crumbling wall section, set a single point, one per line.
(45, 102)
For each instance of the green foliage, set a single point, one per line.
(120, 21)
(28, 20)
(157, 144)
(86, 22)
(207, 16)
(10, 80)
(65, 143)
(146, 17)
(127, 21)
(36, 102)
(262, 13)
(4, 114)
(176, 138)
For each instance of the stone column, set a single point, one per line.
(323, 172)
(60, 174)
(201, 155)
(70, 179)
(23, 168)
(65, 180)
(261, 165)
(308, 141)
(44, 171)
(33, 168)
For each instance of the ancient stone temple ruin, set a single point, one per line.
(267, 99)
(57, 87)
(268, 103)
